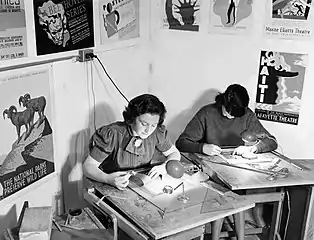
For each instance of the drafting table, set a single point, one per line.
(142, 218)
(240, 179)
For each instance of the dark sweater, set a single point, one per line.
(210, 126)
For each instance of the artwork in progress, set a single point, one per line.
(26, 152)
(166, 193)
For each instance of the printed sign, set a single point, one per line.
(289, 19)
(26, 150)
(181, 14)
(12, 30)
(280, 86)
(63, 25)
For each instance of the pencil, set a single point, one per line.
(57, 225)
(177, 186)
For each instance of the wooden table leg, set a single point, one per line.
(216, 228)
(239, 225)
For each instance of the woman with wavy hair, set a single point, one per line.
(119, 147)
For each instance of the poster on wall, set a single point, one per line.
(119, 20)
(291, 19)
(63, 25)
(181, 14)
(26, 150)
(13, 42)
(280, 86)
(231, 16)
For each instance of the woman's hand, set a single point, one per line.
(119, 180)
(211, 149)
(156, 171)
(243, 150)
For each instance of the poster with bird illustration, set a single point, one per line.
(289, 19)
(181, 14)
(231, 16)
(26, 150)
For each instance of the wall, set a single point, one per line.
(84, 98)
(190, 67)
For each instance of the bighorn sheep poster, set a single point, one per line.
(26, 150)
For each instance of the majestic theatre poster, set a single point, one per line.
(280, 86)
(231, 16)
(291, 19)
(63, 25)
(181, 14)
(26, 149)
(119, 20)
(13, 42)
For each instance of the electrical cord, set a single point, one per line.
(91, 55)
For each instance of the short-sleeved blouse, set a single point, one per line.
(113, 146)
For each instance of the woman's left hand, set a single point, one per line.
(242, 150)
(157, 171)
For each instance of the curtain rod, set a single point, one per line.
(31, 64)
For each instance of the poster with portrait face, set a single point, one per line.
(63, 25)
(181, 14)
(13, 42)
(119, 20)
(290, 19)
(231, 16)
(280, 86)
(26, 150)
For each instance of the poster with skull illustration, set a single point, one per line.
(280, 86)
(63, 25)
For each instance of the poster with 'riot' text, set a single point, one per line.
(13, 42)
(289, 19)
(280, 86)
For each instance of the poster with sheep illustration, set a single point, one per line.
(280, 86)
(26, 149)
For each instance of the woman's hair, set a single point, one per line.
(142, 104)
(235, 100)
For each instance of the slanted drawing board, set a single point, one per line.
(152, 190)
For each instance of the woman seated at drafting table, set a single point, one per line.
(221, 123)
(117, 148)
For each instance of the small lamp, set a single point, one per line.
(176, 170)
(249, 138)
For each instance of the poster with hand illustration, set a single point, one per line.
(181, 14)
(26, 150)
(280, 86)
(290, 19)
(119, 20)
(231, 16)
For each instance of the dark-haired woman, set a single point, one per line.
(221, 124)
(117, 148)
